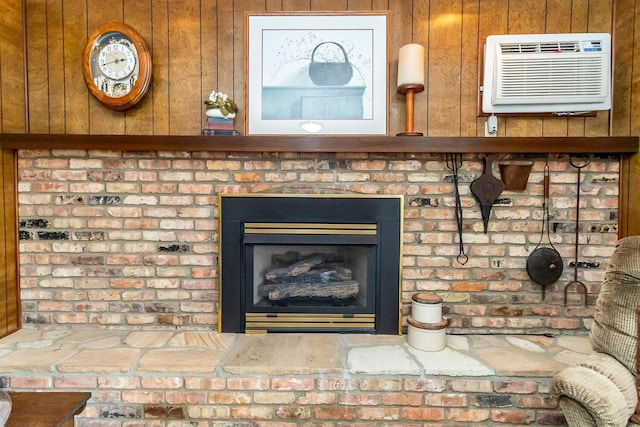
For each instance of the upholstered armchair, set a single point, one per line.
(601, 390)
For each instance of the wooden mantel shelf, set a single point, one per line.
(323, 144)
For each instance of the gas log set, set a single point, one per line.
(315, 279)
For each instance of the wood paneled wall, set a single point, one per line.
(9, 293)
(13, 118)
(198, 46)
(12, 71)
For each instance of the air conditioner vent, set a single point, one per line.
(547, 73)
(554, 47)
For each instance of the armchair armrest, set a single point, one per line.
(603, 386)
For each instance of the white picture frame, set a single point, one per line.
(288, 95)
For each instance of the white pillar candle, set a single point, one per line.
(411, 64)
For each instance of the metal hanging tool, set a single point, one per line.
(454, 161)
(544, 265)
(578, 164)
(487, 188)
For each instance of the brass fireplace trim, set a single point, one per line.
(262, 322)
(309, 228)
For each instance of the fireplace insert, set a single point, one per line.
(310, 263)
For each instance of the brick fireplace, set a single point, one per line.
(123, 247)
(130, 239)
(302, 263)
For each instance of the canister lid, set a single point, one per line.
(431, 326)
(426, 298)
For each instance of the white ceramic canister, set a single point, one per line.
(426, 308)
(426, 336)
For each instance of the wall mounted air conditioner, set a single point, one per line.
(542, 73)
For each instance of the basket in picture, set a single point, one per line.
(330, 73)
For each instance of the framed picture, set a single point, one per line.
(312, 73)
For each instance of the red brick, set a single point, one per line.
(515, 387)
(71, 318)
(51, 163)
(209, 412)
(369, 165)
(259, 165)
(118, 383)
(247, 177)
(469, 286)
(161, 382)
(357, 399)
(334, 413)
(297, 165)
(274, 397)
(512, 417)
(380, 384)
(229, 398)
(536, 402)
(294, 412)
(19, 382)
(224, 165)
(280, 177)
(402, 399)
(422, 414)
(313, 398)
(480, 322)
(252, 412)
(405, 165)
(316, 177)
(472, 386)
(202, 383)
(564, 323)
(163, 412)
(469, 310)
(363, 188)
(248, 383)
(337, 384)
(181, 397)
(425, 385)
(292, 383)
(50, 187)
(127, 283)
(384, 414)
(467, 415)
(154, 164)
(142, 396)
(445, 399)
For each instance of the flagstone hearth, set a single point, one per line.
(199, 376)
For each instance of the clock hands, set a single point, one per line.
(115, 61)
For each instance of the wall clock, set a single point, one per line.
(116, 64)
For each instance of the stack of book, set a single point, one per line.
(219, 126)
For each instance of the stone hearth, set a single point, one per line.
(206, 378)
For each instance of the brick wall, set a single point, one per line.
(410, 402)
(329, 400)
(129, 239)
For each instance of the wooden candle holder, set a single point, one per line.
(409, 90)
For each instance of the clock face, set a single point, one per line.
(116, 64)
(116, 61)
